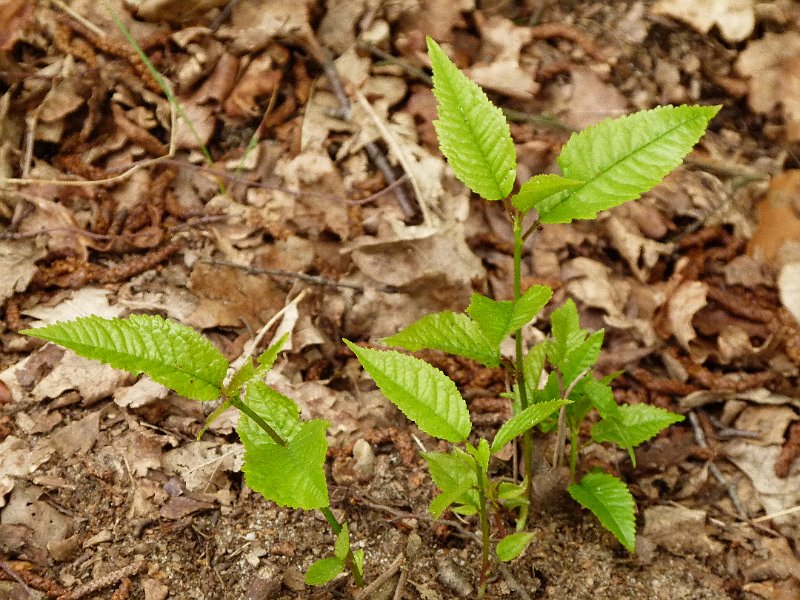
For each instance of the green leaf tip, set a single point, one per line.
(511, 546)
(450, 332)
(611, 502)
(473, 133)
(422, 392)
(170, 353)
(620, 159)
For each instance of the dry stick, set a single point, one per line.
(513, 584)
(400, 154)
(345, 113)
(313, 279)
(700, 438)
(382, 578)
(103, 582)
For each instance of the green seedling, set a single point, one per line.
(284, 456)
(602, 167)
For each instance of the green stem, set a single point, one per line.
(527, 437)
(259, 421)
(358, 576)
(484, 514)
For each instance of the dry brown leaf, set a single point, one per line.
(18, 459)
(337, 30)
(78, 437)
(735, 18)
(17, 263)
(588, 99)
(683, 304)
(502, 72)
(590, 282)
(789, 286)
(80, 303)
(773, 65)
(254, 24)
(173, 11)
(203, 464)
(680, 530)
(49, 525)
(778, 215)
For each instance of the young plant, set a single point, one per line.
(603, 166)
(284, 456)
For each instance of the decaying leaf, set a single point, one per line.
(735, 18)
(773, 66)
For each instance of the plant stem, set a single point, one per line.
(259, 421)
(358, 576)
(527, 437)
(484, 514)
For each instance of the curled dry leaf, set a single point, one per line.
(682, 306)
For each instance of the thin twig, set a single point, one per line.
(103, 582)
(79, 18)
(382, 578)
(313, 279)
(700, 438)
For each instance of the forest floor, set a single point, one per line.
(111, 205)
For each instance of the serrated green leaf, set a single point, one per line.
(602, 397)
(528, 305)
(473, 133)
(450, 332)
(522, 422)
(443, 500)
(509, 491)
(280, 413)
(481, 453)
(635, 423)
(539, 188)
(566, 331)
(323, 570)
(291, 475)
(358, 559)
(620, 159)
(491, 316)
(454, 474)
(267, 358)
(498, 319)
(511, 546)
(170, 353)
(423, 393)
(246, 372)
(342, 542)
(532, 367)
(581, 358)
(611, 502)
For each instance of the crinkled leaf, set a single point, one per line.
(522, 422)
(449, 332)
(342, 542)
(635, 424)
(511, 546)
(291, 475)
(620, 159)
(280, 412)
(539, 188)
(611, 502)
(422, 392)
(323, 570)
(170, 353)
(473, 133)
